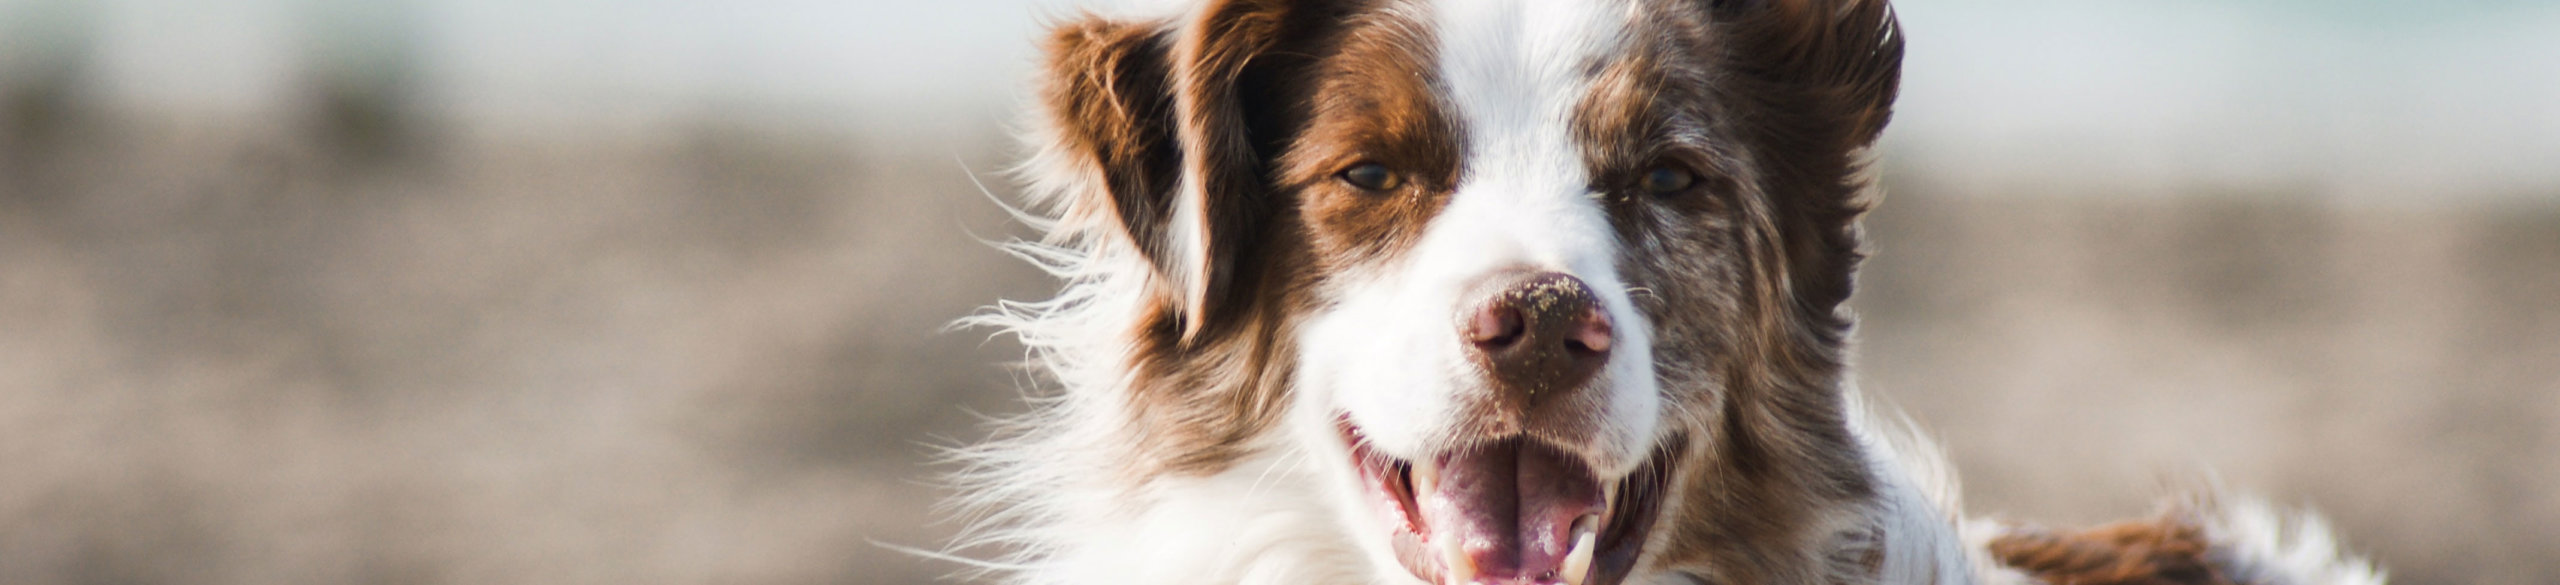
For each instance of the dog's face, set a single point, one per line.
(1532, 278)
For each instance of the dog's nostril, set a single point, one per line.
(1591, 334)
(1496, 326)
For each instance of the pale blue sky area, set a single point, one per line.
(2338, 95)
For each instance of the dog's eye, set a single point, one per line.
(1666, 180)
(1372, 176)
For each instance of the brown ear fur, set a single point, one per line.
(1181, 123)
(1824, 74)
(1108, 97)
(1806, 85)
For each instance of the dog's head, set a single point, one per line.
(1552, 288)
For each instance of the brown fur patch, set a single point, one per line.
(1820, 77)
(1212, 372)
(1376, 102)
(1107, 98)
(1767, 103)
(1215, 101)
(2155, 552)
(1241, 77)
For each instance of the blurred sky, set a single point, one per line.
(2383, 100)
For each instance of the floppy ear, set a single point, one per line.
(1823, 74)
(1845, 54)
(1163, 121)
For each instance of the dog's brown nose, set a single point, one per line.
(1537, 334)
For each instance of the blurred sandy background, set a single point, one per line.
(590, 291)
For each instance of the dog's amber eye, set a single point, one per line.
(1663, 181)
(1372, 176)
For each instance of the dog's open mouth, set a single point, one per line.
(1513, 511)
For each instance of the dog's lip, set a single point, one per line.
(1633, 502)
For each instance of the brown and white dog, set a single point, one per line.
(1489, 291)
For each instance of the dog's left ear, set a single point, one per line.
(1845, 54)
(1825, 73)
(1179, 120)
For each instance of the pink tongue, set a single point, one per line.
(1511, 507)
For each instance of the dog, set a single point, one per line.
(1490, 291)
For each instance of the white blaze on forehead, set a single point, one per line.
(1515, 71)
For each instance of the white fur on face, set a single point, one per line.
(1389, 354)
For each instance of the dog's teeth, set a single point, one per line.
(1457, 568)
(1426, 477)
(1577, 562)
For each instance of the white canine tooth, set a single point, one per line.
(1456, 568)
(1426, 477)
(1577, 562)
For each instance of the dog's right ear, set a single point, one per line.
(1166, 129)
(1824, 73)
(1107, 100)
(1161, 132)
